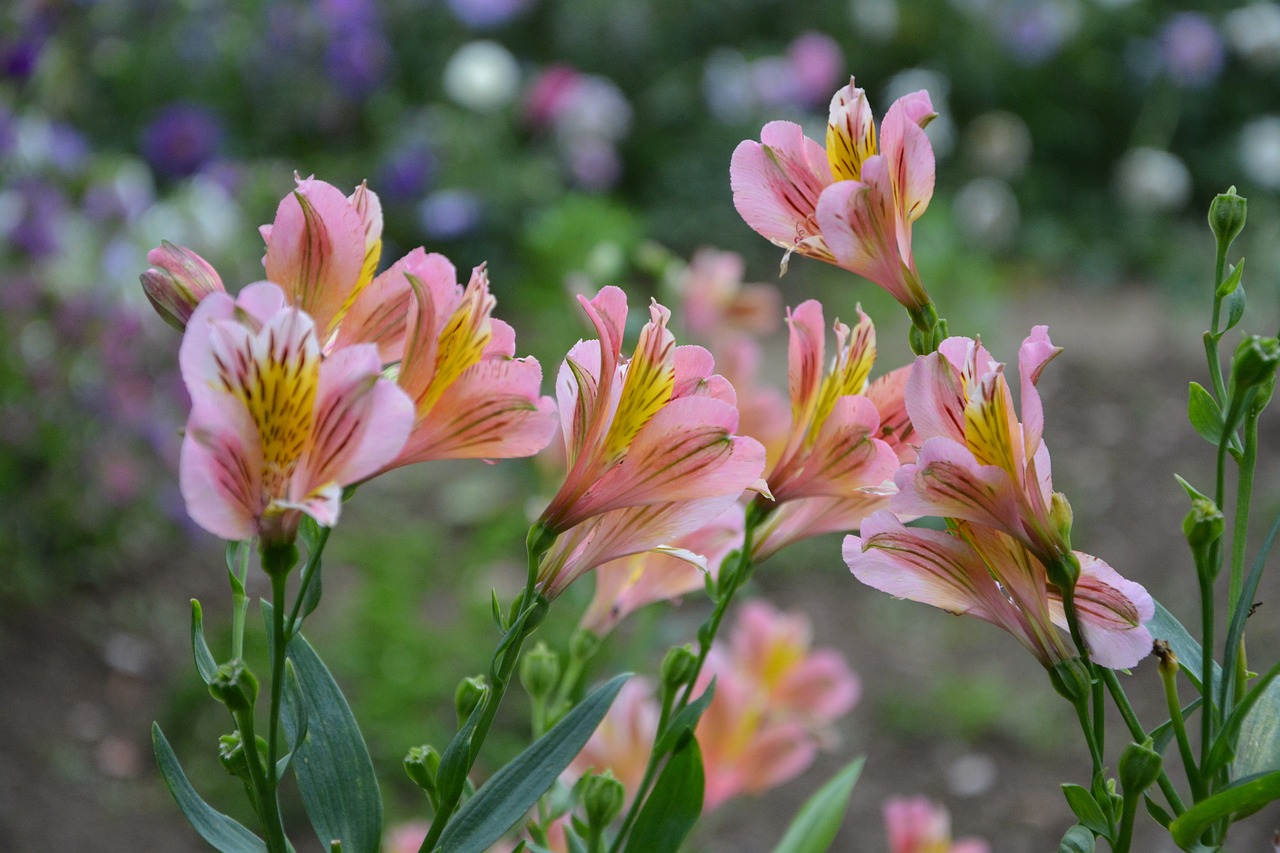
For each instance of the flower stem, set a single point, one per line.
(1140, 734)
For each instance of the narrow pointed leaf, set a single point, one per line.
(1235, 306)
(330, 761)
(1157, 812)
(685, 721)
(816, 824)
(1243, 797)
(224, 833)
(513, 790)
(1077, 840)
(1258, 747)
(205, 664)
(294, 704)
(1086, 809)
(674, 804)
(1204, 414)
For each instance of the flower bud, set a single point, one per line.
(471, 692)
(1064, 571)
(1227, 215)
(1204, 524)
(231, 754)
(1071, 679)
(177, 281)
(540, 671)
(603, 797)
(678, 667)
(235, 686)
(1061, 516)
(1139, 767)
(421, 764)
(1254, 362)
(1168, 660)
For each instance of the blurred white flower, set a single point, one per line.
(986, 210)
(1260, 150)
(597, 109)
(876, 19)
(1152, 180)
(998, 143)
(482, 75)
(1254, 33)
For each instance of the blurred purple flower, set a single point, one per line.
(68, 150)
(8, 131)
(817, 67)
(340, 15)
(594, 163)
(357, 58)
(772, 81)
(19, 56)
(448, 214)
(405, 174)
(482, 14)
(42, 210)
(1033, 32)
(549, 95)
(182, 139)
(1193, 50)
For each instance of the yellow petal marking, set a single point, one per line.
(461, 342)
(648, 386)
(987, 426)
(847, 147)
(848, 376)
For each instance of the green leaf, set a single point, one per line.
(1163, 733)
(335, 774)
(1224, 747)
(1157, 812)
(1087, 810)
(816, 824)
(294, 704)
(224, 833)
(685, 721)
(673, 805)
(1258, 747)
(513, 790)
(1076, 840)
(1246, 796)
(1232, 282)
(205, 664)
(1163, 626)
(314, 589)
(1235, 304)
(237, 557)
(1204, 413)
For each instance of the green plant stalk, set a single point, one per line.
(1247, 466)
(1211, 339)
(279, 581)
(569, 681)
(239, 603)
(500, 672)
(1194, 779)
(269, 806)
(1129, 810)
(308, 573)
(1090, 728)
(1140, 735)
(706, 636)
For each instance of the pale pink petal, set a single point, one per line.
(694, 365)
(577, 384)
(608, 313)
(1113, 612)
(776, 184)
(821, 688)
(946, 481)
(806, 362)
(220, 470)
(807, 517)
(888, 393)
(909, 154)
(844, 459)
(195, 356)
(316, 251)
(502, 340)
(433, 280)
(380, 314)
(1036, 351)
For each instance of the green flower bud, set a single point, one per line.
(1140, 767)
(1071, 679)
(540, 671)
(1168, 660)
(603, 797)
(1204, 524)
(235, 686)
(1064, 571)
(421, 764)
(678, 667)
(1061, 516)
(470, 693)
(279, 558)
(1254, 362)
(231, 754)
(1227, 214)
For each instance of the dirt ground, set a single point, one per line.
(951, 708)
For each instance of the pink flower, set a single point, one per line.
(273, 431)
(839, 459)
(624, 586)
(983, 572)
(716, 304)
(851, 204)
(649, 442)
(774, 704)
(915, 825)
(472, 398)
(978, 462)
(405, 837)
(177, 282)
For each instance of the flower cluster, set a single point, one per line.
(916, 825)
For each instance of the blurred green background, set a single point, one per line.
(568, 143)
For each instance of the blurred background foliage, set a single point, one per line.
(570, 144)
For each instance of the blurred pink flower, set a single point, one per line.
(715, 303)
(275, 432)
(405, 837)
(623, 740)
(851, 204)
(624, 586)
(916, 825)
(472, 398)
(839, 459)
(978, 462)
(649, 442)
(985, 573)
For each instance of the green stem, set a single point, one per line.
(1211, 339)
(278, 582)
(239, 601)
(1206, 670)
(1170, 679)
(1140, 734)
(269, 811)
(308, 573)
(1129, 811)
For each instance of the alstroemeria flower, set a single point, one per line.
(916, 825)
(472, 398)
(624, 586)
(982, 572)
(837, 465)
(177, 282)
(650, 434)
(323, 249)
(275, 431)
(978, 462)
(851, 204)
(715, 303)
